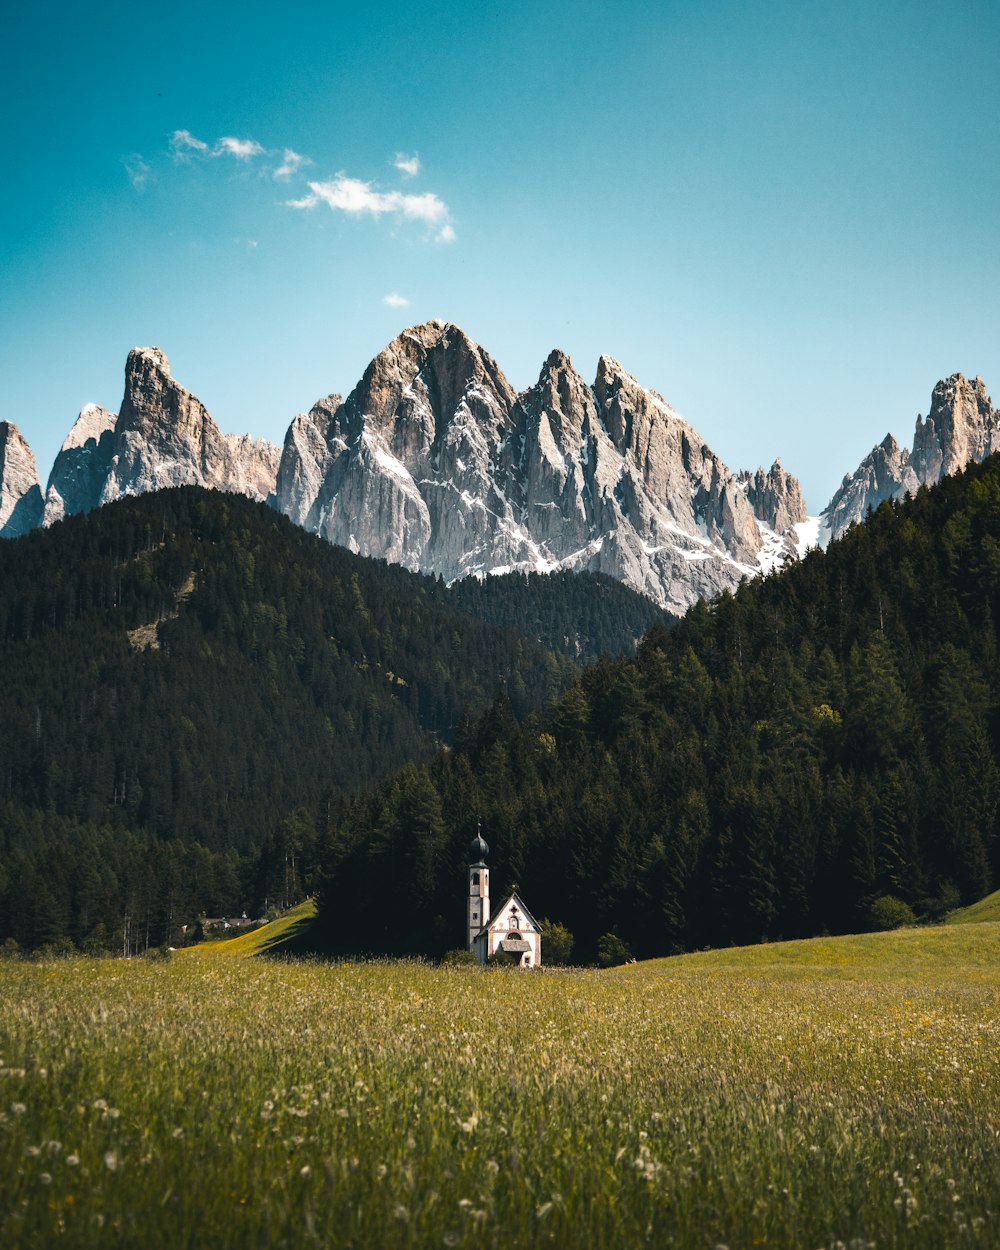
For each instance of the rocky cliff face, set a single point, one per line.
(163, 436)
(20, 492)
(434, 461)
(776, 498)
(962, 425)
(885, 473)
(81, 468)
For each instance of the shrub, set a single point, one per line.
(889, 912)
(458, 958)
(557, 942)
(611, 950)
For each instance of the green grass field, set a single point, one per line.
(987, 908)
(838, 1092)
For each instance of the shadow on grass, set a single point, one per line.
(303, 939)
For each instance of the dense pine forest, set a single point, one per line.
(191, 685)
(816, 752)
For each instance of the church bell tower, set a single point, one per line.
(478, 912)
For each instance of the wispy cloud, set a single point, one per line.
(341, 193)
(394, 300)
(242, 149)
(291, 163)
(410, 165)
(139, 172)
(355, 197)
(183, 144)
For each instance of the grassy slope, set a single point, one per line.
(284, 935)
(987, 908)
(926, 955)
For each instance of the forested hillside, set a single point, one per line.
(190, 684)
(580, 615)
(785, 757)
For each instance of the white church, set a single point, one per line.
(512, 930)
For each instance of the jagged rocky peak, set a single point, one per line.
(81, 467)
(775, 497)
(557, 413)
(629, 411)
(961, 426)
(21, 500)
(165, 436)
(429, 385)
(305, 458)
(90, 427)
(564, 397)
(885, 473)
(434, 462)
(160, 408)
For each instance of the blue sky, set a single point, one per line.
(783, 216)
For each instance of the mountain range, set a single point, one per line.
(436, 463)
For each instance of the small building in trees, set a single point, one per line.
(511, 930)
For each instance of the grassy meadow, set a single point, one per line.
(838, 1092)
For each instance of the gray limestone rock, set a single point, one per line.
(433, 461)
(165, 436)
(961, 426)
(21, 501)
(776, 498)
(81, 467)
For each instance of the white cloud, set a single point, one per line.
(137, 169)
(341, 193)
(408, 164)
(394, 300)
(351, 195)
(242, 149)
(291, 163)
(183, 143)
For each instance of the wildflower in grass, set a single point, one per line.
(18, 1108)
(72, 1161)
(45, 1178)
(111, 1160)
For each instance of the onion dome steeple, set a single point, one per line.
(478, 847)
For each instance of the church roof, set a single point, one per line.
(513, 897)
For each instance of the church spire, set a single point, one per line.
(478, 908)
